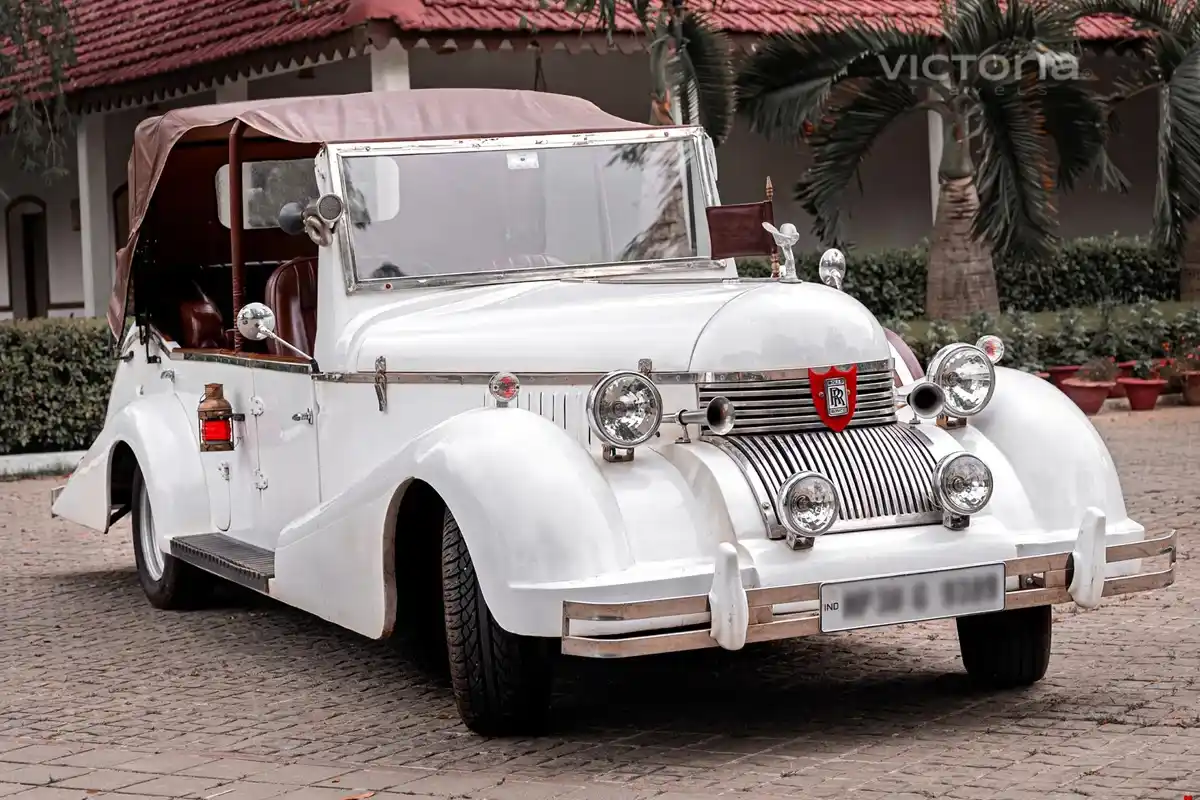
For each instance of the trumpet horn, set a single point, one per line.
(925, 398)
(719, 416)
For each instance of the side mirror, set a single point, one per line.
(832, 268)
(256, 321)
(291, 220)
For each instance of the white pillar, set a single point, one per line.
(95, 216)
(935, 158)
(389, 68)
(235, 91)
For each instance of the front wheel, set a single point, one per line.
(169, 583)
(1006, 649)
(501, 680)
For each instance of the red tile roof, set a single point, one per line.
(120, 41)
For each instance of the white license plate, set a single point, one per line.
(847, 605)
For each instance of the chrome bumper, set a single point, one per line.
(1042, 580)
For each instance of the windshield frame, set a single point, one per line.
(705, 165)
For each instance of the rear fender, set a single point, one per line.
(162, 438)
(532, 504)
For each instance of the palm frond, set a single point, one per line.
(705, 64)
(789, 78)
(976, 27)
(1078, 123)
(1178, 203)
(842, 144)
(1015, 176)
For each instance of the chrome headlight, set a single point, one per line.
(624, 409)
(807, 504)
(962, 483)
(966, 376)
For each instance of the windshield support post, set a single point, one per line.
(236, 223)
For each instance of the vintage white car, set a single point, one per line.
(477, 365)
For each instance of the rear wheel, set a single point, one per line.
(168, 582)
(501, 681)
(1006, 649)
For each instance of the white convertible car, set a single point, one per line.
(477, 364)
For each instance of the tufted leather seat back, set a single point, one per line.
(292, 294)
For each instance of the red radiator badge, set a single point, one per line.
(834, 395)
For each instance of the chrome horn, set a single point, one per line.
(719, 417)
(925, 398)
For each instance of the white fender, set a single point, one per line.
(533, 506)
(160, 433)
(1052, 449)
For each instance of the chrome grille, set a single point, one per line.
(784, 406)
(883, 474)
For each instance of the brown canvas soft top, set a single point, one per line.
(369, 116)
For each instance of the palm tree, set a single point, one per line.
(1170, 47)
(687, 53)
(1017, 124)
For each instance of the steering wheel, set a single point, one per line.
(528, 261)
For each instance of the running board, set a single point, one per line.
(244, 564)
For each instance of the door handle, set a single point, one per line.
(307, 416)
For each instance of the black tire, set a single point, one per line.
(1006, 649)
(180, 586)
(501, 680)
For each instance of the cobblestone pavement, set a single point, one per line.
(103, 697)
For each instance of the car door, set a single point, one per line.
(285, 416)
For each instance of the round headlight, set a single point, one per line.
(624, 409)
(807, 504)
(962, 483)
(967, 377)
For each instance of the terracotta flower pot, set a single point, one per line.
(1191, 387)
(1059, 374)
(1142, 393)
(1088, 395)
(1126, 371)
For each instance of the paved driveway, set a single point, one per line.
(101, 696)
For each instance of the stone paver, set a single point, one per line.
(250, 700)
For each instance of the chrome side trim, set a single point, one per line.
(241, 361)
(1046, 584)
(545, 378)
(765, 502)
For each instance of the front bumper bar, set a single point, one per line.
(1041, 580)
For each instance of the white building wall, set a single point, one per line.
(893, 208)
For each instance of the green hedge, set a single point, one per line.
(54, 383)
(1085, 272)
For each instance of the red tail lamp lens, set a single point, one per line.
(217, 430)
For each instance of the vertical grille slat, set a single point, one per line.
(883, 474)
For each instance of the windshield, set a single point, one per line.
(423, 214)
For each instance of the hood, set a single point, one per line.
(604, 325)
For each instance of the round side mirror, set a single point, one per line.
(832, 268)
(330, 208)
(256, 322)
(291, 219)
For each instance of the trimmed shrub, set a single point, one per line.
(55, 376)
(1085, 272)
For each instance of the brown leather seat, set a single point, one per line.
(200, 322)
(292, 294)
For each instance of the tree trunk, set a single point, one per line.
(960, 278)
(1189, 267)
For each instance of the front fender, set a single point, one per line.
(1051, 448)
(532, 504)
(160, 434)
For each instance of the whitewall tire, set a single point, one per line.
(168, 582)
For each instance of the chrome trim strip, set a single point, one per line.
(355, 284)
(766, 508)
(544, 378)
(241, 361)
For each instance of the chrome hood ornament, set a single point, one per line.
(785, 238)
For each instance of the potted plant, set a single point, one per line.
(1068, 348)
(1144, 386)
(1114, 339)
(1187, 369)
(1090, 385)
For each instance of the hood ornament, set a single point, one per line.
(785, 238)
